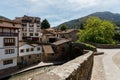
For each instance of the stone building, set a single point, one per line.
(61, 47)
(69, 34)
(48, 53)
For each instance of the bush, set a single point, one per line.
(90, 47)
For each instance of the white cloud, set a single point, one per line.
(57, 11)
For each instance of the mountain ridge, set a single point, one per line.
(106, 15)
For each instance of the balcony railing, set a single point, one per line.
(8, 34)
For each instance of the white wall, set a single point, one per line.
(20, 35)
(1, 42)
(9, 65)
(27, 29)
(36, 51)
(6, 56)
(34, 31)
(25, 46)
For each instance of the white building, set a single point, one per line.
(29, 53)
(31, 28)
(8, 43)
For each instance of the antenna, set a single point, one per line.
(26, 10)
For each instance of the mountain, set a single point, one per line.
(78, 23)
(2, 17)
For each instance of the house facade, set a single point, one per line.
(29, 53)
(31, 28)
(8, 43)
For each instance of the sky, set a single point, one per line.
(56, 11)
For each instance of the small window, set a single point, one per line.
(27, 50)
(22, 50)
(9, 51)
(38, 48)
(32, 49)
(37, 55)
(36, 34)
(13, 24)
(22, 58)
(5, 62)
(31, 34)
(30, 57)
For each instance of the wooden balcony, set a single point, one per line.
(8, 34)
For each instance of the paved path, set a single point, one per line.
(98, 72)
(41, 64)
(112, 71)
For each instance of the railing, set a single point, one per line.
(8, 34)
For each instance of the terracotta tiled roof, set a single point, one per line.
(67, 31)
(62, 41)
(34, 45)
(48, 49)
(8, 26)
(22, 43)
(10, 21)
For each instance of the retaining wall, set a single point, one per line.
(106, 46)
(77, 69)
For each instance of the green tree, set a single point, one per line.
(45, 24)
(63, 27)
(97, 31)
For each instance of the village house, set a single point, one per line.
(8, 44)
(48, 53)
(49, 36)
(29, 53)
(61, 47)
(30, 29)
(52, 35)
(68, 34)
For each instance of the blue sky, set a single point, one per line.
(56, 11)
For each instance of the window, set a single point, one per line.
(30, 57)
(38, 29)
(27, 50)
(31, 34)
(31, 25)
(37, 55)
(38, 25)
(24, 29)
(5, 62)
(63, 49)
(9, 41)
(24, 34)
(38, 48)
(22, 50)
(9, 51)
(22, 58)
(31, 29)
(36, 34)
(13, 24)
(32, 49)
(24, 24)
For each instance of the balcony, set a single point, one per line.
(8, 34)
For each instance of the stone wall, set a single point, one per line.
(77, 69)
(106, 46)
